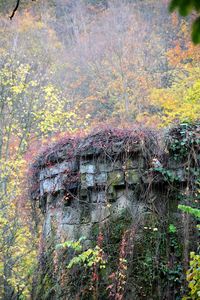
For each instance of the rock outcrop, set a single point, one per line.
(116, 189)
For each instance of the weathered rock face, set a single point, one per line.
(105, 185)
(96, 180)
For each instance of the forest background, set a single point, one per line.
(67, 67)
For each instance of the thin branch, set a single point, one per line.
(15, 9)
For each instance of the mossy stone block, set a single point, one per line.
(111, 194)
(87, 180)
(132, 176)
(83, 181)
(131, 163)
(87, 168)
(116, 178)
(101, 178)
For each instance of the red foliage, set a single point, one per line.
(106, 140)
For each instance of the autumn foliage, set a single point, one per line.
(67, 69)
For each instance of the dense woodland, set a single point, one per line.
(67, 67)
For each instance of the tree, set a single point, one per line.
(30, 109)
(66, 68)
(185, 8)
(179, 100)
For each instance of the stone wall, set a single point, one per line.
(120, 185)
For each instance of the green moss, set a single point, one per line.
(113, 231)
(132, 176)
(83, 180)
(85, 214)
(111, 194)
(116, 178)
(45, 287)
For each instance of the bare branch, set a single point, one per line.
(15, 9)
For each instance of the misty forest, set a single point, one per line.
(99, 149)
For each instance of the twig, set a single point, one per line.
(15, 9)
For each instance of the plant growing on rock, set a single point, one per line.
(193, 273)
(87, 258)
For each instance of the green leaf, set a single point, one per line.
(172, 228)
(184, 6)
(173, 5)
(196, 31)
(193, 211)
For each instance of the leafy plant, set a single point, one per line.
(172, 228)
(188, 209)
(193, 273)
(168, 175)
(71, 244)
(87, 258)
(185, 8)
(193, 277)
